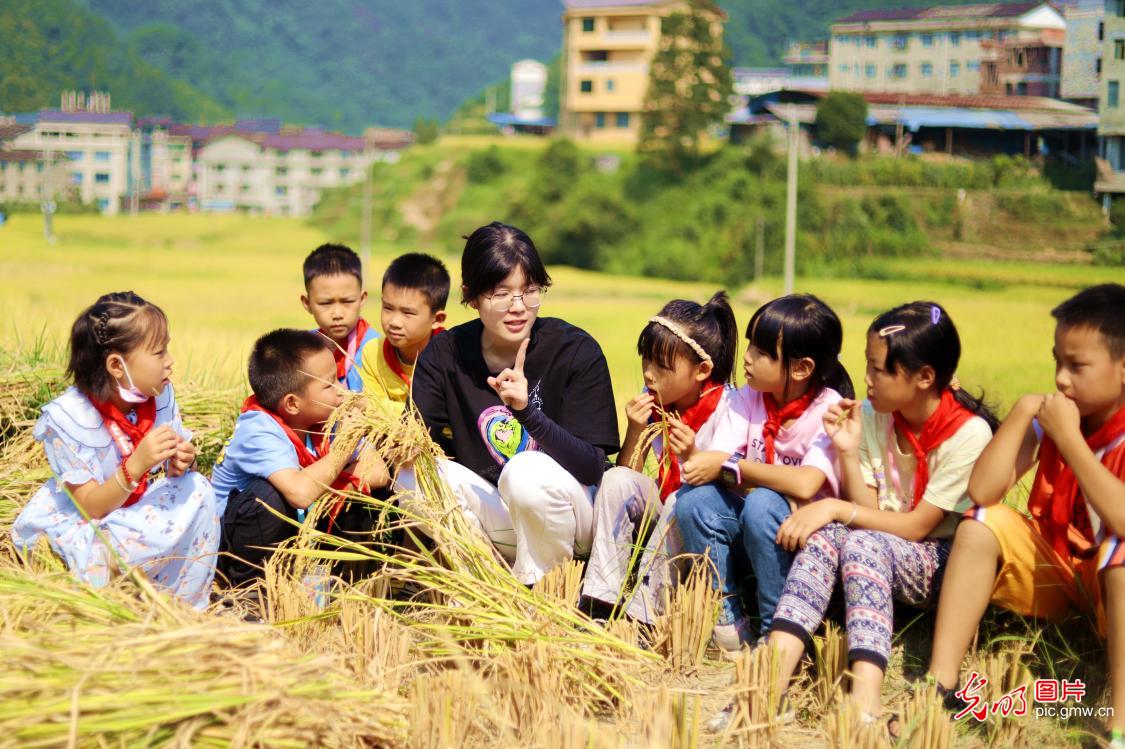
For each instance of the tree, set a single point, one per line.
(689, 87)
(425, 131)
(841, 120)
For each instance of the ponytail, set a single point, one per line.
(977, 406)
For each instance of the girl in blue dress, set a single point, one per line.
(123, 463)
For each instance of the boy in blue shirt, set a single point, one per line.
(334, 296)
(279, 457)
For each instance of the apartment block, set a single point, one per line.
(95, 143)
(962, 49)
(280, 173)
(607, 48)
(1111, 112)
(1082, 55)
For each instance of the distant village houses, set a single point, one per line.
(86, 151)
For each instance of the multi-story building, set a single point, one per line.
(1111, 112)
(943, 49)
(96, 143)
(807, 60)
(1022, 66)
(165, 165)
(29, 176)
(1082, 55)
(277, 173)
(607, 48)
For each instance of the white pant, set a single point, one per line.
(538, 517)
(628, 502)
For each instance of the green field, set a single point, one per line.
(224, 280)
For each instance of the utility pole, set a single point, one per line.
(791, 204)
(760, 250)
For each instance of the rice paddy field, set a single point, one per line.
(469, 658)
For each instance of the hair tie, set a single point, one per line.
(891, 329)
(954, 384)
(683, 336)
(935, 314)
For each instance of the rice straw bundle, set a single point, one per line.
(1006, 671)
(471, 608)
(563, 583)
(682, 633)
(657, 429)
(847, 729)
(90, 667)
(756, 697)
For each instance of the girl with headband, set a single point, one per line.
(687, 358)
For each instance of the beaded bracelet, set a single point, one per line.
(121, 483)
(128, 477)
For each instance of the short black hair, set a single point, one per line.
(491, 254)
(796, 326)
(332, 260)
(425, 273)
(277, 363)
(1099, 307)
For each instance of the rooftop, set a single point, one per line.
(942, 12)
(99, 118)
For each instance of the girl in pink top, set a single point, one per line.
(770, 455)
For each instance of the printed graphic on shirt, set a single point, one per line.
(504, 436)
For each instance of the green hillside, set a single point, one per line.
(47, 46)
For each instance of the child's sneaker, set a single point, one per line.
(729, 638)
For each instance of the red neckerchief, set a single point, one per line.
(942, 424)
(127, 435)
(306, 457)
(1056, 500)
(346, 357)
(695, 417)
(775, 417)
(390, 356)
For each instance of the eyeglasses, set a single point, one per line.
(531, 297)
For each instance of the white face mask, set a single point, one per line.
(130, 394)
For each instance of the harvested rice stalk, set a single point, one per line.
(563, 583)
(831, 666)
(846, 728)
(669, 718)
(925, 723)
(756, 697)
(659, 428)
(683, 631)
(1007, 674)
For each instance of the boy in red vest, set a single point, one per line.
(1069, 553)
(334, 296)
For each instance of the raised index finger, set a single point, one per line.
(521, 355)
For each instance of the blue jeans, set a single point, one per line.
(715, 521)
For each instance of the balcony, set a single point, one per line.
(602, 66)
(631, 35)
(1108, 180)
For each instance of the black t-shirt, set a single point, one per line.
(567, 382)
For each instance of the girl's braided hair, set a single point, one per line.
(117, 323)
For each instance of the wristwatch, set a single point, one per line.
(730, 474)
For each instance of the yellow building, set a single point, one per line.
(607, 47)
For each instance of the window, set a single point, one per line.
(1113, 91)
(898, 71)
(954, 38)
(316, 154)
(843, 67)
(74, 155)
(972, 36)
(586, 86)
(599, 120)
(281, 171)
(869, 70)
(587, 25)
(1098, 66)
(610, 84)
(102, 157)
(869, 41)
(1021, 88)
(101, 178)
(281, 191)
(75, 177)
(103, 204)
(1119, 49)
(1101, 30)
(623, 119)
(927, 40)
(954, 69)
(900, 41)
(927, 70)
(973, 66)
(344, 172)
